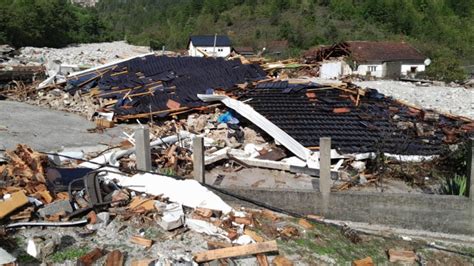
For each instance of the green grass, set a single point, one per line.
(71, 253)
(329, 241)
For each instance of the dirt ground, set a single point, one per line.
(320, 244)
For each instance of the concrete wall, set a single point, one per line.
(330, 69)
(364, 68)
(220, 51)
(437, 213)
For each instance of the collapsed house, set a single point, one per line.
(367, 58)
(358, 120)
(291, 115)
(158, 85)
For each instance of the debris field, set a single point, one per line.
(144, 201)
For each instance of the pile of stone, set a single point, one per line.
(82, 55)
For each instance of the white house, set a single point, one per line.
(367, 58)
(209, 45)
(386, 59)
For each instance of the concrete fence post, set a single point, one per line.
(142, 148)
(325, 165)
(325, 171)
(470, 169)
(198, 159)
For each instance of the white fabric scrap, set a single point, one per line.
(243, 240)
(204, 227)
(186, 192)
(5, 257)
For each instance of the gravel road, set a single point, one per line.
(454, 100)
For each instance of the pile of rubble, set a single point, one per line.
(82, 55)
(35, 192)
(455, 100)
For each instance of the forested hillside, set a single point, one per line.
(443, 29)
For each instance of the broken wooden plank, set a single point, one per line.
(115, 258)
(246, 250)
(253, 235)
(104, 123)
(281, 261)
(243, 220)
(216, 245)
(16, 200)
(363, 262)
(23, 215)
(90, 257)
(305, 223)
(144, 262)
(262, 260)
(141, 241)
(204, 212)
(141, 203)
(401, 255)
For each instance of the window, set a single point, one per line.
(413, 69)
(372, 68)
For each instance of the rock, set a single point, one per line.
(200, 123)
(102, 221)
(251, 136)
(39, 248)
(57, 207)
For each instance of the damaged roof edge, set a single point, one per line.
(248, 112)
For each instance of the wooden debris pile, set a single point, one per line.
(24, 176)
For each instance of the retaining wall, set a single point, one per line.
(437, 213)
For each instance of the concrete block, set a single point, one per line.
(173, 217)
(56, 207)
(198, 159)
(143, 152)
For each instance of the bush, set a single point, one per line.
(446, 67)
(456, 186)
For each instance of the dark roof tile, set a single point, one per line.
(208, 40)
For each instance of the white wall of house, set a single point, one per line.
(407, 68)
(375, 69)
(330, 70)
(334, 69)
(220, 51)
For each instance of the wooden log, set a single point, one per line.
(246, 250)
